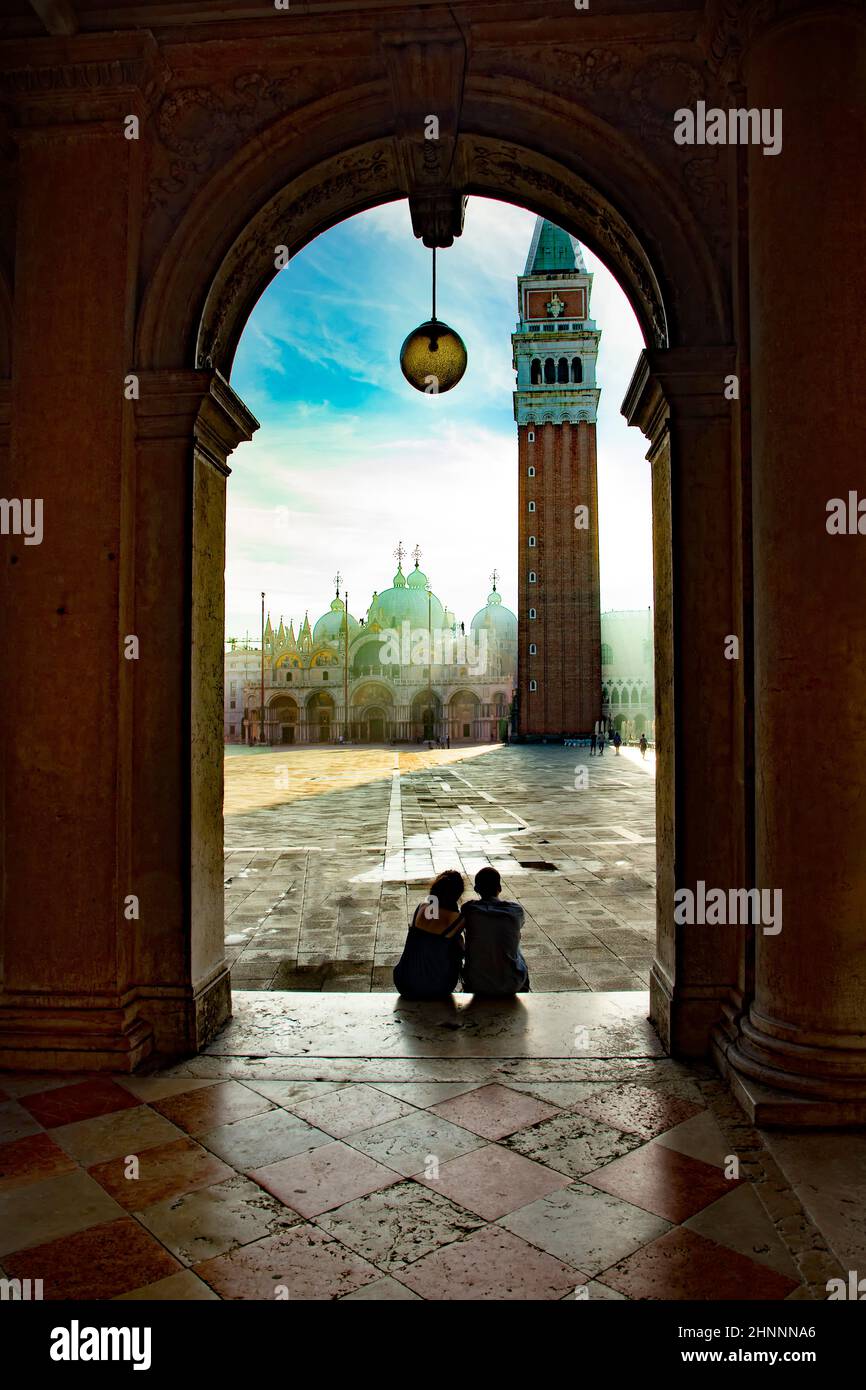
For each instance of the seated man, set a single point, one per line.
(494, 963)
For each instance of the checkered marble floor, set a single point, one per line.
(245, 1175)
(328, 850)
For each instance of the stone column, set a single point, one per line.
(677, 398)
(187, 423)
(801, 1052)
(68, 996)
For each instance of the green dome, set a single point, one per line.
(329, 628)
(406, 603)
(417, 579)
(498, 617)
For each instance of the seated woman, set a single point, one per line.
(429, 967)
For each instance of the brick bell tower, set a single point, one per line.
(555, 348)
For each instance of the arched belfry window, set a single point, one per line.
(535, 371)
(562, 369)
(549, 371)
(576, 369)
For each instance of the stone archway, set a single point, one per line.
(169, 251)
(670, 269)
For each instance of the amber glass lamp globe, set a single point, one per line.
(433, 357)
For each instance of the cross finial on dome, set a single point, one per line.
(338, 579)
(416, 555)
(493, 578)
(398, 554)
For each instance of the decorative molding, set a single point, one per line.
(601, 224)
(100, 69)
(426, 79)
(360, 179)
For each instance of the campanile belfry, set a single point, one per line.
(555, 402)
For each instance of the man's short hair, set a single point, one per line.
(488, 883)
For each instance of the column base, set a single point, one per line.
(84, 1033)
(78, 1033)
(684, 1018)
(770, 1107)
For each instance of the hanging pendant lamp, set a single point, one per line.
(433, 357)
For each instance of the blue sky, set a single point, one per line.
(350, 459)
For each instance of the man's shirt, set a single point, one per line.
(493, 961)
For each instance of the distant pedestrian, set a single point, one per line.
(643, 745)
(601, 745)
(592, 742)
(617, 740)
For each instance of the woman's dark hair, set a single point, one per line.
(447, 889)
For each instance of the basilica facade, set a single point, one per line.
(407, 672)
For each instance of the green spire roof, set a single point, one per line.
(552, 249)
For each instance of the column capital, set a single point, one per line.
(678, 383)
(193, 403)
(63, 82)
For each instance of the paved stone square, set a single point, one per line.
(329, 849)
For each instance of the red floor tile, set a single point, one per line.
(638, 1110)
(683, 1265)
(494, 1111)
(495, 1265)
(305, 1261)
(31, 1159)
(494, 1181)
(100, 1262)
(324, 1178)
(166, 1171)
(210, 1106)
(63, 1105)
(662, 1181)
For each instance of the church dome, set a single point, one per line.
(329, 628)
(406, 602)
(496, 616)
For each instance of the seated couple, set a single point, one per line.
(479, 943)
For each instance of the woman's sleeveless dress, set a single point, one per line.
(429, 967)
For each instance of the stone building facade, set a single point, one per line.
(627, 679)
(414, 673)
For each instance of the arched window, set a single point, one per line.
(530, 472)
(576, 369)
(533, 649)
(606, 654)
(532, 506)
(635, 698)
(549, 371)
(533, 685)
(532, 540)
(535, 371)
(532, 613)
(562, 369)
(532, 576)
(531, 439)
